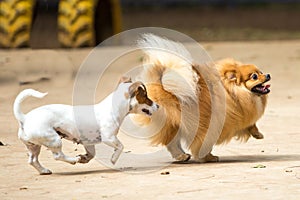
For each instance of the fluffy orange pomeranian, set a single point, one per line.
(204, 105)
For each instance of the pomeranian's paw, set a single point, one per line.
(257, 135)
(208, 158)
(183, 157)
(253, 130)
(211, 158)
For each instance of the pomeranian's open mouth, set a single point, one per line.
(261, 88)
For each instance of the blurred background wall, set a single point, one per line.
(84, 23)
(218, 20)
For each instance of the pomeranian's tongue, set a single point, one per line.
(266, 87)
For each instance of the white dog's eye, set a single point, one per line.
(254, 76)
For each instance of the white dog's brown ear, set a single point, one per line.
(133, 88)
(125, 79)
(233, 76)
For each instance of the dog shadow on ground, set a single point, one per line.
(223, 160)
(249, 159)
(74, 173)
(259, 158)
(129, 170)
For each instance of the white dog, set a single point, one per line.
(47, 124)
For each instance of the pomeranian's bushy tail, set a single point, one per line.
(169, 63)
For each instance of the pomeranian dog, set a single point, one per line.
(190, 95)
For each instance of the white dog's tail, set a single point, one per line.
(169, 63)
(23, 95)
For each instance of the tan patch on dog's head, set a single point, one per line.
(138, 90)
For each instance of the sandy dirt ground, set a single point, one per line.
(258, 169)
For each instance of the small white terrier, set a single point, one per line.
(47, 124)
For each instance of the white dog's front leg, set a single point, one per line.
(117, 145)
(117, 153)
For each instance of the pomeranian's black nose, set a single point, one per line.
(268, 76)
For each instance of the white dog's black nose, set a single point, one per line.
(147, 111)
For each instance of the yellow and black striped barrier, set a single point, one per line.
(15, 23)
(79, 23)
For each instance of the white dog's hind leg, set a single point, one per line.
(54, 143)
(90, 154)
(117, 145)
(34, 151)
(59, 155)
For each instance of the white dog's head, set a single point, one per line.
(139, 101)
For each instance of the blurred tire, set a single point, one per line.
(15, 23)
(76, 23)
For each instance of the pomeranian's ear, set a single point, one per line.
(233, 76)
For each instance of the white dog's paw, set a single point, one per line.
(183, 157)
(45, 172)
(113, 160)
(84, 158)
(76, 160)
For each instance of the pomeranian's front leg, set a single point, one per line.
(253, 130)
(174, 147)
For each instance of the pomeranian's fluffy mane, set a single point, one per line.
(169, 63)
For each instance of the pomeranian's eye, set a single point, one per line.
(254, 76)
